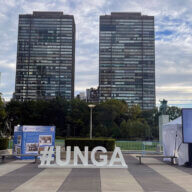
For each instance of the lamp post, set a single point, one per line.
(91, 106)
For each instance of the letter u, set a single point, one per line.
(58, 156)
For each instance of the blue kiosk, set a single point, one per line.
(30, 139)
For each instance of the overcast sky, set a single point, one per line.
(173, 27)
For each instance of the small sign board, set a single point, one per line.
(30, 139)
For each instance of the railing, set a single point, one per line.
(138, 145)
(59, 142)
(143, 146)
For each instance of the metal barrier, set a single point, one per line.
(58, 142)
(144, 146)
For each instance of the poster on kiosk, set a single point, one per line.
(30, 139)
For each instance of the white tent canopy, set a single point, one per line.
(173, 141)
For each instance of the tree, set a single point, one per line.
(134, 112)
(109, 115)
(2, 116)
(112, 118)
(173, 112)
(124, 129)
(79, 118)
(151, 117)
(41, 112)
(14, 112)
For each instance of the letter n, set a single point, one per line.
(78, 153)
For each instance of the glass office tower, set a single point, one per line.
(127, 59)
(45, 56)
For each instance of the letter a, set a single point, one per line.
(120, 159)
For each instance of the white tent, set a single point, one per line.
(173, 142)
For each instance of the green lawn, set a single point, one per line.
(59, 142)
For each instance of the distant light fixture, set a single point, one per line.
(91, 106)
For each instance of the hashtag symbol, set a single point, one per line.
(46, 155)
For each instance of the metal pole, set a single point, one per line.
(90, 123)
(91, 106)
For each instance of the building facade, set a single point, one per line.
(92, 95)
(127, 59)
(45, 56)
(81, 96)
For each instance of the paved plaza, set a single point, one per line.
(152, 176)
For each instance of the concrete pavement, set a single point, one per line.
(152, 176)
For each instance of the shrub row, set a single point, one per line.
(4, 143)
(59, 137)
(109, 144)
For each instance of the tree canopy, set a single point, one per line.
(2, 116)
(112, 118)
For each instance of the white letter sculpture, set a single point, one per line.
(58, 156)
(103, 157)
(48, 161)
(115, 159)
(78, 153)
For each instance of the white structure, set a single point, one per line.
(163, 119)
(116, 161)
(82, 96)
(173, 141)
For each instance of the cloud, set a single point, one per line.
(5, 65)
(173, 40)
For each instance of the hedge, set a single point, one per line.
(4, 143)
(59, 137)
(109, 144)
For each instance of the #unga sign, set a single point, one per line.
(50, 160)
